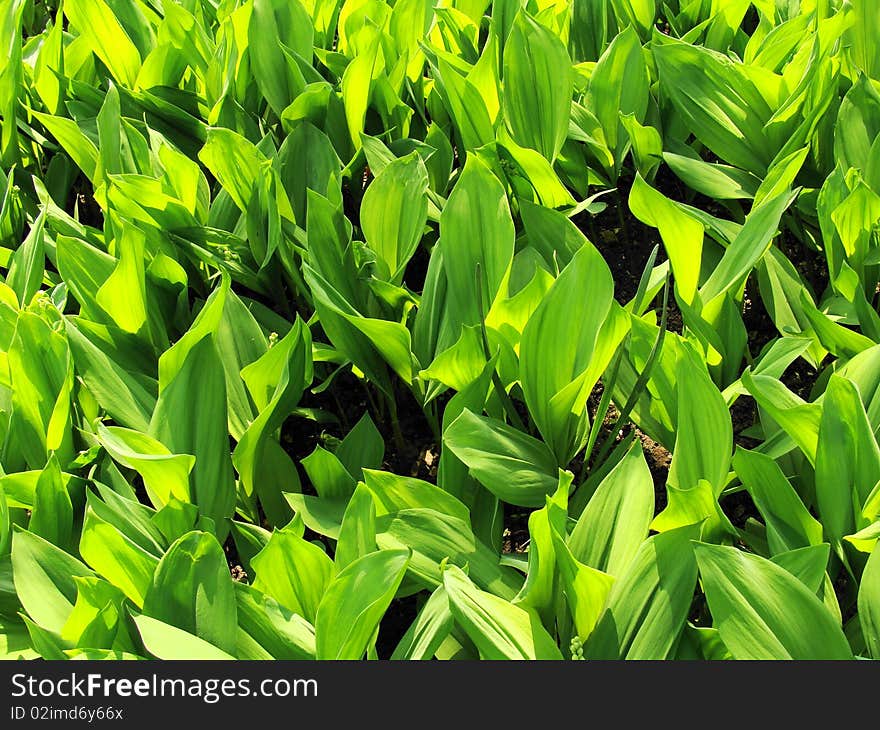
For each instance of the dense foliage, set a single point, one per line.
(252, 249)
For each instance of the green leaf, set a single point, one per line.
(357, 534)
(278, 633)
(760, 609)
(718, 102)
(362, 448)
(275, 26)
(94, 621)
(235, 162)
(682, 234)
(619, 87)
(499, 629)
(393, 214)
(164, 641)
(127, 398)
(294, 572)
(537, 86)
(869, 603)
(436, 538)
(44, 579)
(847, 459)
(704, 434)
(115, 556)
(746, 250)
(52, 515)
(192, 590)
(789, 524)
(429, 630)
(355, 601)
(476, 229)
(328, 476)
(393, 493)
(41, 373)
(27, 265)
(539, 590)
(562, 352)
(648, 605)
(200, 431)
(103, 33)
(615, 522)
(515, 467)
(165, 475)
(275, 383)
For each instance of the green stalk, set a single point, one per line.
(621, 217)
(506, 402)
(642, 380)
(601, 412)
(399, 441)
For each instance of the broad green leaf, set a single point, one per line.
(619, 86)
(539, 590)
(847, 459)
(127, 398)
(466, 106)
(41, 373)
(798, 419)
(393, 214)
(357, 534)
(869, 603)
(436, 538)
(499, 629)
(760, 609)
(559, 345)
(276, 632)
(648, 605)
(294, 572)
(44, 579)
(362, 448)
(200, 431)
(355, 601)
(116, 557)
(476, 230)
(748, 247)
(165, 475)
(192, 590)
(704, 434)
(615, 522)
(393, 493)
(430, 628)
(275, 26)
(586, 589)
(105, 36)
(517, 468)
(275, 383)
(537, 86)
(789, 524)
(328, 476)
(718, 102)
(94, 621)
(164, 641)
(52, 514)
(682, 234)
(235, 162)
(807, 564)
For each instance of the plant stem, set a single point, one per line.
(601, 412)
(506, 402)
(621, 217)
(399, 441)
(433, 421)
(641, 381)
